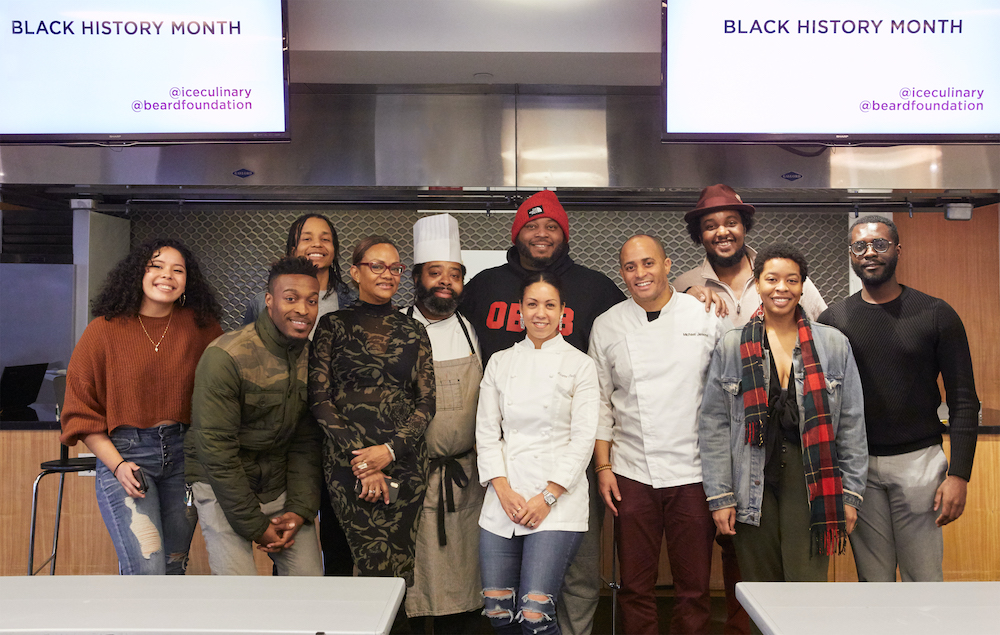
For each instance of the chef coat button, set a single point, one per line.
(784, 448)
(756, 482)
(782, 464)
(545, 406)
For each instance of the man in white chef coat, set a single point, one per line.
(652, 353)
(447, 585)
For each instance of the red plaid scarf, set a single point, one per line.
(819, 452)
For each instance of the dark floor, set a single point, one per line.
(665, 606)
(602, 619)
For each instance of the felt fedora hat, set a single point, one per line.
(715, 198)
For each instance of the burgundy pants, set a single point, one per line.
(645, 515)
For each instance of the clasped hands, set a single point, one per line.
(529, 513)
(280, 534)
(367, 466)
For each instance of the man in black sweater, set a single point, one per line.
(491, 302)
(902, 340)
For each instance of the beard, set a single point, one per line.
(537, 264)
(876, 279)
(725, 262)
(443, 307)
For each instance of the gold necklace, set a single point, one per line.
(156, 345)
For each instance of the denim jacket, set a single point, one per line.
(733, 470)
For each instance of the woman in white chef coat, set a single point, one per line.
(535, 431)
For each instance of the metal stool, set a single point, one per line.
(63, 466)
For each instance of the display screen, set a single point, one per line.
(835, 72)
(143, 71)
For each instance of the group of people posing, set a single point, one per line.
(471, 443)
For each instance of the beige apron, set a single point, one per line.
(446, 578)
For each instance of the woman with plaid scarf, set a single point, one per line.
(782, 432)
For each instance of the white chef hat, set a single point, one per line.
(436, 238)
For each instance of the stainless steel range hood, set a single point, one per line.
(391, 143)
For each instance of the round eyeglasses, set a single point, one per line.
(860, 247)
(396, 269)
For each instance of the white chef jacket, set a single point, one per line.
(447, 339)
(742, 306)
(652, 375)
(536, 423)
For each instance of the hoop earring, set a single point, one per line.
(562, 326)
(183, 298)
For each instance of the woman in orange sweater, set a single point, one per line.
(128, 397)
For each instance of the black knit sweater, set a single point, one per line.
(901, 347)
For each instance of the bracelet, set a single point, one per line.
(601, 468)
(115, 471)
(392, 453)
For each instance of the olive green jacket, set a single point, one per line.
(252, 436)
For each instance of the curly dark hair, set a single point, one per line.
(122, 292)
(334, 282)
(694, 225)
(290, 266)
(780, 250)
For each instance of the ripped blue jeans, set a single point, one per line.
(522, 576)
(151, 535)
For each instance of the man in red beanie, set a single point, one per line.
(540, 236)
(492, 303)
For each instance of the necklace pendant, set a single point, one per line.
(156, 349)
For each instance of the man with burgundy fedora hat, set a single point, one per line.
(540, 237)
(720, 222)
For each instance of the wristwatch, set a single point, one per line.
(550, 498)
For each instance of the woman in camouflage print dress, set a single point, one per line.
(371, 387)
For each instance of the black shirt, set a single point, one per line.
(901, 347)
(492, 301)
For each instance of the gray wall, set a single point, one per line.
(235, 246)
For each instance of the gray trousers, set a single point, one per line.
(582, 584)
(231, 554)
(896, 523)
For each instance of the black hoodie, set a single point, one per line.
(491, 302)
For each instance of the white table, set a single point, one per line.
(879, 608)
(198, 604)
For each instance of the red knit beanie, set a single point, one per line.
(543, 204)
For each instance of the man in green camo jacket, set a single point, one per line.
(253, 451)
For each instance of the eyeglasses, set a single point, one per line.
(378, 267)
(860, 247)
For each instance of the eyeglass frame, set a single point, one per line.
(382, 267)
(870, 243)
